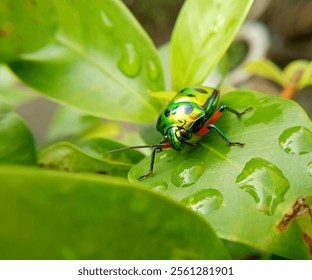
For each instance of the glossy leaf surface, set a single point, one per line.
(98, 62)
(203, 32)
(245, 193)
(54, 215)
(16, 141)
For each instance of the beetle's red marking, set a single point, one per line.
(202, 131)
(215, 117)
(166, 145)
(205, 129)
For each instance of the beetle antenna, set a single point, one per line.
(136, 147)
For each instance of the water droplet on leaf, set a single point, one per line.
(205, 201)
(106, 20)
(265, 182)
(187, 173)
(296, 140)
(160, 186)
(130, 61)
(153, 71)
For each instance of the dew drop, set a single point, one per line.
(187, 173)
(160, 186)
(106, 20)
(205, 201)
(296, 140)
(309, 168)
(130, 61)
(165, 155)
(265, 182)
(153, 71)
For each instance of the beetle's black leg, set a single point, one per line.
(224, 137)
(151, 169)
(224, 107)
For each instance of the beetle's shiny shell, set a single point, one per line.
(190, 106)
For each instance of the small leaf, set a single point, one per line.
(300, 71)
(306, 78)
(256, 185)
(54, 215)
(267, 69)
(203, 32)
(90, 157)
(16, 142)
(295, 66)
(25, 26)
(101, 147)
(99, 62)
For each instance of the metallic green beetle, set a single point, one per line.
(187, 117)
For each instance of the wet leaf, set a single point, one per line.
(54, 215)
(203, 32)
(265, 182)
(101, 63)
(256, 185)
(16, 141)
(89, 156)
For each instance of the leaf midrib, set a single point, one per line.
(62, 40)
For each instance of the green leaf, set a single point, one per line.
(306, 79)
(203, 32)
(245, 193)
(54, 215)
(98, 147)
(101, 62)
(301, 68)
(89, 156)
(12, 91)
(267, 69)
(16, 142)
(164, 54)
(25, 26)
(69, 122)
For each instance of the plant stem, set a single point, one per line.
(289, 90)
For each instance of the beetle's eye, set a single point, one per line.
(183, 132)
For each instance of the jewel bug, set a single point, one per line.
(189, 116)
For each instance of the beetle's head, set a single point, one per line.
(176, 136)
